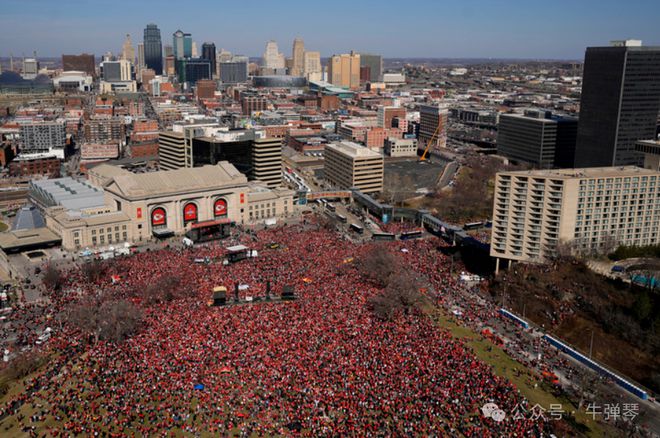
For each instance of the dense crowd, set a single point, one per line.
(322, 365)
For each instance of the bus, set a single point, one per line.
(358, 229)
(341, 218)
(330, 207)
(383, 236)
(413, 234)
(473, 226)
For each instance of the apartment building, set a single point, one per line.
(534, 212)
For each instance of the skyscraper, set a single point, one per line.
(344, 70)
(182, 44)
(208, 52)
(153, 49)
(312, 69)
(298, 57)
(375, 64)
(140, 56)
(272, 57)
(128, 51)
(619, 104)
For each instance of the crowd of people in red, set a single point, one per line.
(322, 365)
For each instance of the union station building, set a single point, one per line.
(200, 203)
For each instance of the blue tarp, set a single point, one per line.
(199, 386)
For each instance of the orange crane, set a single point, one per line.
(430, 142)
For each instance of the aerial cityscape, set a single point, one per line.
(358, 219)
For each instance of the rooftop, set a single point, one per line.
(648, 146)
(353, 149)
(589, 172)
(167, 182)
(67, 192)
(17, 239)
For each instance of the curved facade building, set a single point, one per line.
(279, 81)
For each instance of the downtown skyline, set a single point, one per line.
(478, 29)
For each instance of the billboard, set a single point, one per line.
(220, 208)
(189, 212)
(158, 217)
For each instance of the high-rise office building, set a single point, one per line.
(349, 164)
(258, 158)
(140, 57)
(116, 71)
(225, 56)
(433, 121)
(375, 65)
(170, 68)
(30, 68)
(127, 50)
(539, 138)
(619, 104)
(182, 45)
(193, 69)
(168, 50)
(208, 53)
(344, 70)
(298, 57)
(233, 72)
(153, 49)
(272, 57)
(193, 50)
(84, 62)
(312, 69)
(266, 159)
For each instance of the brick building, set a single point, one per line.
(48, 165)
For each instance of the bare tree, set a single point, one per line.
(25, 364)
(111, 321)
(165, 289)
(378, 265)
(402, 294)
(52, 278)
(93, 271)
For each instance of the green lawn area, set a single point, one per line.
(505, 366)
(3, 227)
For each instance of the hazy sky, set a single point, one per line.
(559, 29)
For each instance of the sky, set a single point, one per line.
(531, 29)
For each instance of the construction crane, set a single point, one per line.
(430, 142)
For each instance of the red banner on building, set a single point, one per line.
(139, 213)
(220, 208)
(158, 217)
(190, 212)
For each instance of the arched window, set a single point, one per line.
(190, 213)
(220, 208)
(158, 218)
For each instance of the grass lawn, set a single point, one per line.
(505, 366)
(3, 227)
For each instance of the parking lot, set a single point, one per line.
(424, 175)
